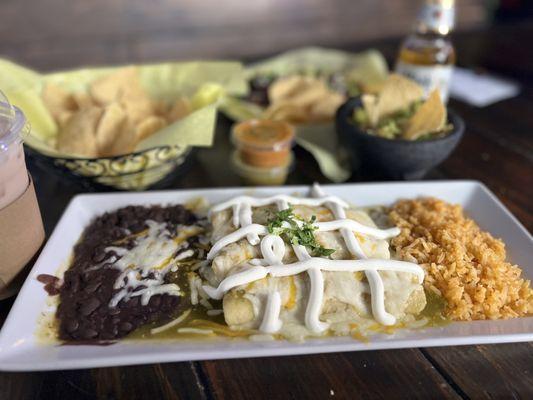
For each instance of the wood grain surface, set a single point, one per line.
(52, 34)
(497, 149)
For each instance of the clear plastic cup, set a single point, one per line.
(14, 179)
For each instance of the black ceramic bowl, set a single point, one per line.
(393, 158)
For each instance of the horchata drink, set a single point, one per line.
(14, 178)
(21, 226)
(427, 55)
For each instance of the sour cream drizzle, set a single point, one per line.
(153, 256)
(273, 250)
(377, 292)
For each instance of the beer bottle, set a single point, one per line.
(427, 55)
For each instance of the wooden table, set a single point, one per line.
(497, 150)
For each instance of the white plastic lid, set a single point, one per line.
(12, 123)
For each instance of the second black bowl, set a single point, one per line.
(394, 158)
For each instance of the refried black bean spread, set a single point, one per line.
(89, 285)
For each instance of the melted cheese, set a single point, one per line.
(146, 264)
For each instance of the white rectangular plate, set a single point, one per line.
(20, 351)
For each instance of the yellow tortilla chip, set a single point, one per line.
(286, 112)
(137, 108)
(63, 118)
(369, 105)
(111, 117)
(300, 91)
(181, 108)
(301, 99)
(115, 85)
(161, 107)
(78, 136)
(372, 87)
(429, 118)
(149, 126)
(326, 107)
(397, 94)
(125, 141)
(83, 100)
(109, 128)
(57, 101)
(285, 87)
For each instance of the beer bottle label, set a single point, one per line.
(430, 77)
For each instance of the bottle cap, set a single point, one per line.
(437, 16)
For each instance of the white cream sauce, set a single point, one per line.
(273, 250)
(153, 254)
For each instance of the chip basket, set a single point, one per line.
(147, 169)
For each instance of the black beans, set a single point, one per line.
(113, 311)
(84, 312)
(87, 333)
(99, 256)
(155, 301)
(91, 287)
(47, 279)
(89, 306)
(126, 326)
(71, 325)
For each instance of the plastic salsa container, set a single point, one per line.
(261, 176)
(263, 143)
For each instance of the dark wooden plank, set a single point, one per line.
(24, 386)
(366, 375)
(52, 34)
(507, 173)
(506, 123)
(159, 381)
(491, 371)
(170, 382)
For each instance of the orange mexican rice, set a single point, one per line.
(463, 264)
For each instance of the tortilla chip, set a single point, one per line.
(113, 86)
(109, 128)
(397, 94)
(300, 91)
(149, 126)
(286, 112)
(429, 118)
(372, 87)
(137, 107)
(369, 102)
(326, 107)
(78, 136)
(302, 99)
(126, 114)
(285, 87)
(83, 100)
(161, 107)
(125, 141)
(181, 108)
(57, 100)
(63, 118)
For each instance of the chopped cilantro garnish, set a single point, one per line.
(296, 233)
